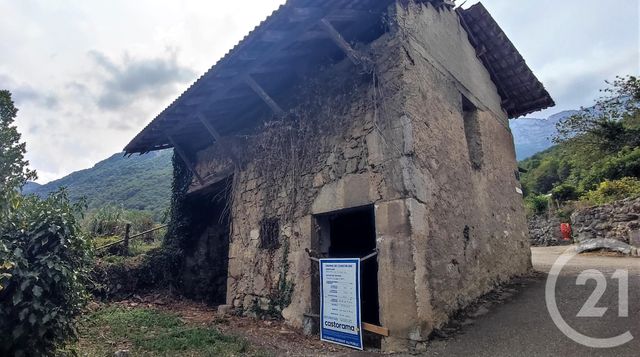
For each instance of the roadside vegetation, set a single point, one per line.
(597, 156)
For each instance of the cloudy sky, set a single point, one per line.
(87, 75)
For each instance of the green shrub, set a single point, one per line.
(44, 260)
(564, 192)
(536, 205)
(609, 191)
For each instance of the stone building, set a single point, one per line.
(340, 127)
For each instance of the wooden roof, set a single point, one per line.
(252, 79)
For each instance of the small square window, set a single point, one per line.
(270, 233)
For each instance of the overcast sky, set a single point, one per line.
(87, 75)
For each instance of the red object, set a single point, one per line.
(565, 229)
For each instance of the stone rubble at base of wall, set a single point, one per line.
(619, 220)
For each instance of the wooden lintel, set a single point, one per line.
(185, 158)
(211, 180)
(378, 330)
(265, 97)
(340, 41)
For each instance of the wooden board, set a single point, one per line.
(378, 330)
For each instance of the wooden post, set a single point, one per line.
(127, 232)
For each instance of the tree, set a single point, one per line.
(44, 257)
(13, 167)
(610, 125)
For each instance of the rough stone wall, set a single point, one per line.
(336, 149)
(470, 231)
(619, 220)
(544, 231)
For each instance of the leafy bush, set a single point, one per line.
(564, 192)
(537, 205)
(610, 191)
(624, 164)
(44, 260)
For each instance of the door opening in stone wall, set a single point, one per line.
(350, 233)
(206, 263)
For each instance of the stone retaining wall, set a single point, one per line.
(544, 231)
(619, 220)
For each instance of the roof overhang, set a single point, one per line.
(521, 91)
(298, 38)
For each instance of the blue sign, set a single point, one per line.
(340, 302)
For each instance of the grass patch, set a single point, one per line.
(147, 332)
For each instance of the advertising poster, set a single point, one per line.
(340, 302)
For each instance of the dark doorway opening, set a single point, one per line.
(351, 234)
(206, 258)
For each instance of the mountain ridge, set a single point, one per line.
(140, 182)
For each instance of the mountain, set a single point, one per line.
(30, 186)
(532, 135)
(140, 182)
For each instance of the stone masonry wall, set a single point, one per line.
(336, 149)
(473, 231)
(619, 220)
(544, 230)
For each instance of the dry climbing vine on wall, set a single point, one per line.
(285, 156)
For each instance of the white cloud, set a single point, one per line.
(88, 75)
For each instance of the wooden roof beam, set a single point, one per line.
(217, 138)
(185, 158)
(263, 95)
(279, 36)
(341, 42)
(300, 14)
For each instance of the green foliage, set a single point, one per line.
(112, 220)
(44, 260)
(596, 146)
(601, 129)
(564, 192)
(13, 167)
(609, 191)
(536, 205)
(138, 183)
(154, 333)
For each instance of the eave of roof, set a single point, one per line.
(521, 91)
(297, 19)
(282, 32)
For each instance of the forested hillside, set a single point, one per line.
(137, 183)
(597, 157)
